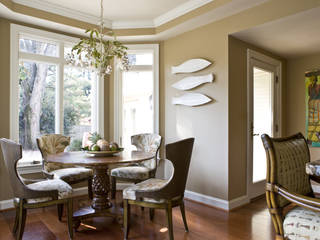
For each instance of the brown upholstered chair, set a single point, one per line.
(136, 173)
(287, 182)
(162, 194)
(56, 143)
(36, 195)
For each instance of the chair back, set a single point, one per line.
(12, 153)
(148, 142)
(179, 153)
(286, 166)
(52, 144)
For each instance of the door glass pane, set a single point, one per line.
(137, 99)
(37, 89)
(38, 47)
(77, 102)
(262, 119)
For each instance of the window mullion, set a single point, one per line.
(59, 92)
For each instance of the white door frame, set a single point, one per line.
(254, 190)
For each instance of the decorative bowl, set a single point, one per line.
(103, 153)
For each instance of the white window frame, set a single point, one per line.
(154, 48)
(15, 32)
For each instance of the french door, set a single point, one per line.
(264, 116)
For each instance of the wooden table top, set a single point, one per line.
(83, 159)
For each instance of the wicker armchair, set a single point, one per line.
(56, 143)
(36, 195)
(288, 182)
(162, 194)
(147, 142)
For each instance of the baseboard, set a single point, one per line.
(197, 197)
(216, 202)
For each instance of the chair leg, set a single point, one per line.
(90, 194)
(126, 218)
(151, 214)
(22, 220)
(70, 215)
(113, 187)
(183, 213)
(16, 221)
(60, 211)
(169, 219)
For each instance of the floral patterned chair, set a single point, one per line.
(39, 194)
(147, 142)
(56, 143)
(288, 182)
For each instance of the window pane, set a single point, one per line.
(141, 59)
(262, 98)
(137, 113)
(78, 86)
(37, 86)
(38, 47)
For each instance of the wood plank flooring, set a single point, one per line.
(205, 223)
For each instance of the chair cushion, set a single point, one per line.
(64, 189)
(301, 223)
(313, 168)
(151, 184)
(131, 172)
(72, 174)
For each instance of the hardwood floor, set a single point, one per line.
(205, 223)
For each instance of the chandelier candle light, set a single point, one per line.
(96, 53)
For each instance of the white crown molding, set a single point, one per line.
(63, 11)
(78, 15)
(132, 24)
(179, 11)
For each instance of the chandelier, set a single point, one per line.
(94, 52)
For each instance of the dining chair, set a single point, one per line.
(56, 143)
(35, 195)
(162, 194)
(139, 172)
(287, 182)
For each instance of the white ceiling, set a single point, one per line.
(121, 9)
(119, 13)
(233, 7)
(294, 36)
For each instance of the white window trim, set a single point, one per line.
(117, 87)
(15, 32)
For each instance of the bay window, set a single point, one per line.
(47, 96)
(137, 94)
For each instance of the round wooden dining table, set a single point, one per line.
(101, 205)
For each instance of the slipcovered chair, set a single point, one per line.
(162, 194)
(288, 182)
(56, 143)
(136, 173)
(35, 195)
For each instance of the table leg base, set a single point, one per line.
(88, 212)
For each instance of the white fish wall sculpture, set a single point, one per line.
(191, 99)
(192, 82)
(190, 66)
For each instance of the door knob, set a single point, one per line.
(255, 134)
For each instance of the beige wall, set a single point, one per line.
(217, 147)
(238, 113)
(296, 107)
(5, 189)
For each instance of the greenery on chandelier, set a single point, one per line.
(98, 53)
